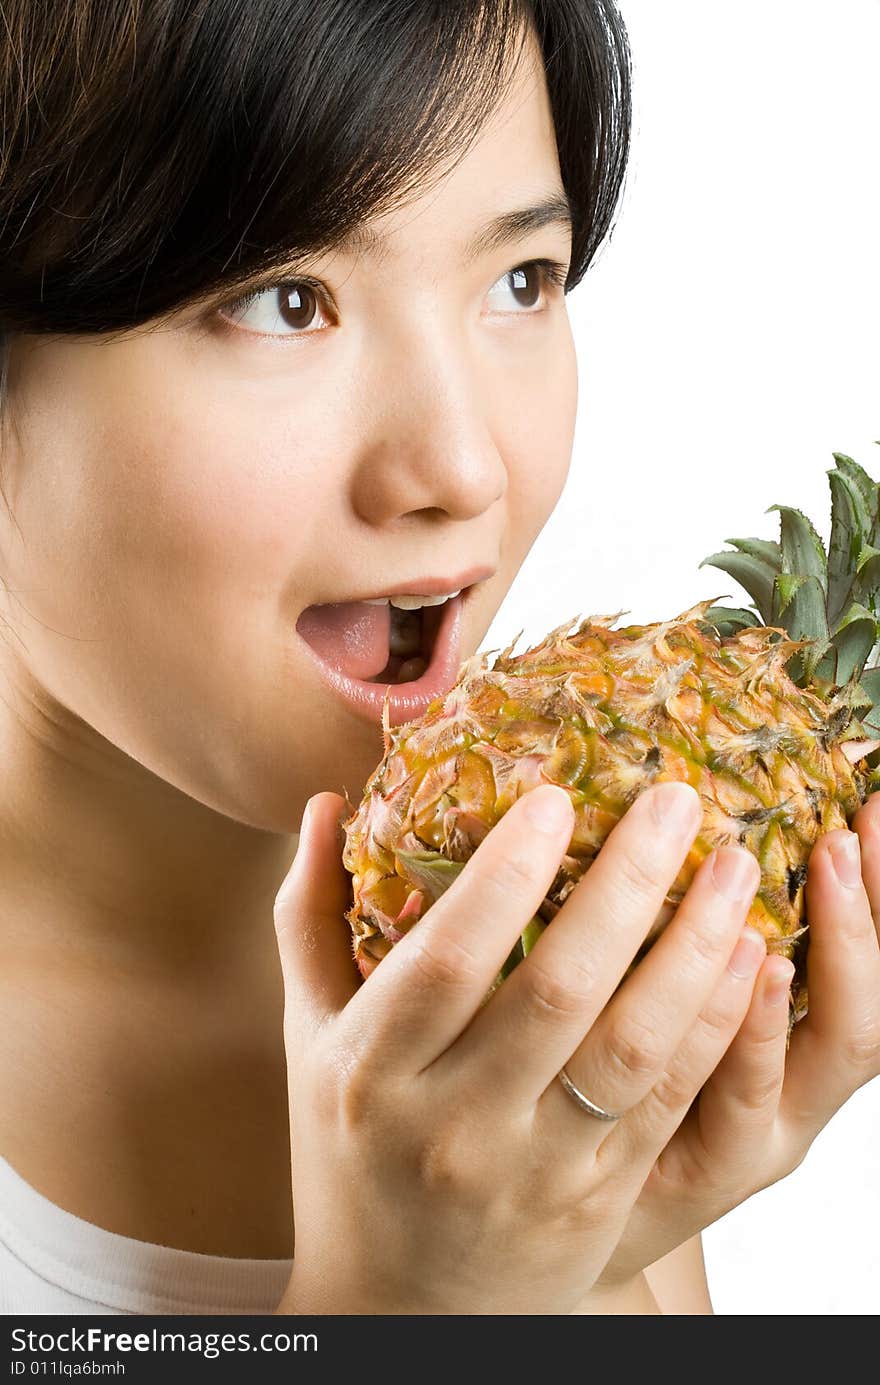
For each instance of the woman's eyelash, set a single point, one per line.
(301, 281)
(552, 271)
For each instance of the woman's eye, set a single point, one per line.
(527, 284)
(284, 310)
(294, 308)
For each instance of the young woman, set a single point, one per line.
(282, 289)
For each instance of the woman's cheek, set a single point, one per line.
(540, 434)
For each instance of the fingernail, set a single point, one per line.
(675, 806)
(846, 858)
(779, 984)
(735, 874)
(548, 809)
(747, 955)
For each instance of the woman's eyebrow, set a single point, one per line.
(553, 210)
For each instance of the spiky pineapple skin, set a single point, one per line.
(605, 713)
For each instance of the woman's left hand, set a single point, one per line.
(761, 1107)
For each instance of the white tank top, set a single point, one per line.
(54, 1262)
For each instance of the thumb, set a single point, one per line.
(314, 938)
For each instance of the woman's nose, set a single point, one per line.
(427, 444)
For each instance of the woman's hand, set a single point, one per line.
(438, 1164)
(761, 1108)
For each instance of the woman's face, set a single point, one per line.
(183, 495)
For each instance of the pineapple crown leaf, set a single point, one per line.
(870, 681)
(870, 685)
(802, 598)
(803, 552)
(429, 871)
(753, 573)
(849, 524)
(812, 658)
(865, 586)
(728, 620)
(866, 553)
(861, 480)
(851, 695)
(854, 639)
(829, 602)
(855, 612)
(788, 584)
(766, 549)
(864, 508)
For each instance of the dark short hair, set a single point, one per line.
(157, 152)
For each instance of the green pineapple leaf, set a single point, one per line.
(870, 684)
(786, 585)
(865, 500)
(848, 536)
(799, 588)
(854, 695)
(766, 549)
(854, 639)
(429, 871)
(803, 553)
(866, 584)
(803, 665)
(729, 620)
(865, 486)
(801, 612)
(531, 933)
(870, 681)
(754, 574)
(826, 669)
(803, 602)
(857, 612)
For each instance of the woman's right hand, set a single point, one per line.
(438, 1165)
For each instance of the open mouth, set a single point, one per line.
(373, 643)
(411, 640)
(380, 659)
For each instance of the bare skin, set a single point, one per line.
(162, 726)
(506, 1197)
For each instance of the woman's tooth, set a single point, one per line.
(407, 603)
(411, 603)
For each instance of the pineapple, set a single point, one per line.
(754, 708)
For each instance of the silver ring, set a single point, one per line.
(584, 1102)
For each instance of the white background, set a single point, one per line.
(728, 339)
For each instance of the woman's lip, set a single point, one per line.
(433, 586)
(406, 701)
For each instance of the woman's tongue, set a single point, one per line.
(361, 641)
(349, 636)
